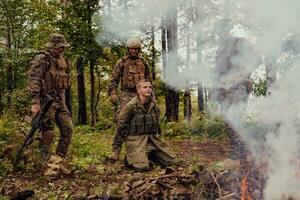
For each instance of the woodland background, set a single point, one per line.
(187, 117)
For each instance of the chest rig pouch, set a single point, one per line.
(133, 72)
(144, 123)
(56, 77)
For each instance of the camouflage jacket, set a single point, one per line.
(128, 71)
(139, 126)
(47, 75)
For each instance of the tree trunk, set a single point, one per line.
(68, 92)
(200, 98)
(10, 68)
(2, 85)
(187, 109)
(1, 93)
(92, 80)
(187, 106)
(195, 19)
(172, 104)
(172, 95)
(153, 52)
(206, 97)
(164, 44)
(92, 61)
(82, 115)
(98, 96)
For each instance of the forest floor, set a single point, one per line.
(92, 177)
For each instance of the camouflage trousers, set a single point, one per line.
(58, 114)
(155, 155)
(118, 140)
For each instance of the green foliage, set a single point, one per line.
(4, 197)
(89, 148)
(104, 123)
(260, 88)
(5, 167)
(218, 166)
(79, 28)
(203, 125)
(159, 87)
(20, 104)
(176, 129)
(212, 126)
(8, 128)
(25, 25)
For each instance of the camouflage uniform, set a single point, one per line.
(140, 126)
(47, 75)
(129, 71)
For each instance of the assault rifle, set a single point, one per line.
(36, 123)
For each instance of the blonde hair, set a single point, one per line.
(138, 85)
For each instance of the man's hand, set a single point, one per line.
(114, 99)
(35, 108)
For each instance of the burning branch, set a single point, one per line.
(245, 194)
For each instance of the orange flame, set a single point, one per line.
(245, 194)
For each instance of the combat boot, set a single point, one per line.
(57, 165)
(114, 156)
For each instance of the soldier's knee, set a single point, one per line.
(47, 125)
(67, 130)
(47, 137)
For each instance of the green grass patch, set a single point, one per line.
(89, 146)
(203, 125)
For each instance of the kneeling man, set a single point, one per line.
(139, 124)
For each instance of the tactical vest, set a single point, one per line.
(56, 77)
(145, 123)
(133, 72)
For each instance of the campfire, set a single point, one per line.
(245, 193)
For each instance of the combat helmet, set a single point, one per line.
(134, 43)
(56, 41)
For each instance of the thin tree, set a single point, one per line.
(187, 104)
(195, 19)
(153, 53)
(172, 95)
(9, 31)
(82, 114)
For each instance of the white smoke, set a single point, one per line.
(130, 18)
(279, 111)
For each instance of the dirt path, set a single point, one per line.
(100, 177)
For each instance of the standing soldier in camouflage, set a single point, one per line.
(47, 75)
(139, 125)
(129, 71)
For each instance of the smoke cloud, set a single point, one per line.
(275, 137)
(279, 111)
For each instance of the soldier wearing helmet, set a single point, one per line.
(47, 75)
(127, 72)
